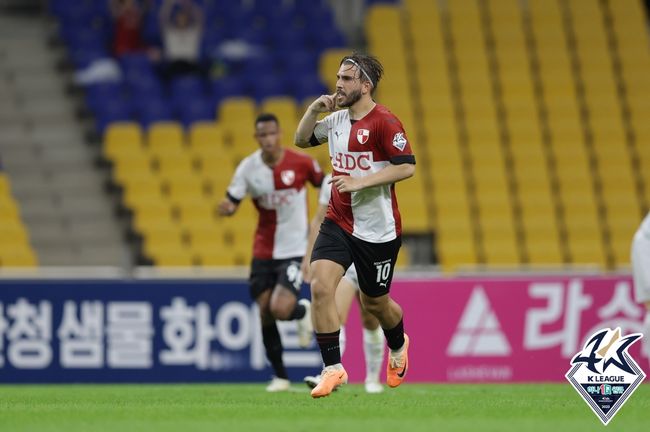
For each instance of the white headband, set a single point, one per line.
(361, 69)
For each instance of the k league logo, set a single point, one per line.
(604, 374)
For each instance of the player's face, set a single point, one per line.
(348, 86)
(267, 134)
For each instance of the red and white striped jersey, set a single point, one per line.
(358, 149)
(280, 198)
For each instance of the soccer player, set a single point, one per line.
(370, 152)
(348, 289)
(276, 178)
(641, 273)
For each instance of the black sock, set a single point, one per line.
(329, 347)
(298, 312)
(273, 345)
(395, 336)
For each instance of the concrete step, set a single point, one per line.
(83, 256)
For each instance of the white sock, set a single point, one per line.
(342, 340)
(373, 348)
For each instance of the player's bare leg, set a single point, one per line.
(285, 306)
(272, 343)
(326, 276)
(373, 349)
(390, 314)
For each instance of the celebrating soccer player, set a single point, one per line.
(370, 152)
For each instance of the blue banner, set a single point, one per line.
(138, 331)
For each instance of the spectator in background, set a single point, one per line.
(127, 16)
(181, 22)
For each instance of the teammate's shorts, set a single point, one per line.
(641, 267)
(266, 274)
(374, 262)
(351, 275)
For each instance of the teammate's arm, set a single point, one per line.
(236, 192)
(325, 103)
(391, 174)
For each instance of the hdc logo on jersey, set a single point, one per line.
(287, 177)
(363, 135)
(604, 373)
(347, 162)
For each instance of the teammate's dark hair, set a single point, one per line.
(371, 69)
(265, 117)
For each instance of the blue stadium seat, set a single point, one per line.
(266, 85)
(307, 86)
(154, 110)
(195, 110)
(112, 110)
(226, 87)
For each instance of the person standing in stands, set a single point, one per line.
(181, 22)
(127, 17)
(276, 179)
(370, 152)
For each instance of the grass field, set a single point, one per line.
(246, 407)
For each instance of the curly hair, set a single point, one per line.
(370, 69)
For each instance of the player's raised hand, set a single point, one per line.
(325, 103)
(346, 183)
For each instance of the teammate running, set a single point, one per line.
(275, 178)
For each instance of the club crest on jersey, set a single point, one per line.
(604, 373)
(287, 177)
(363, 135)
(399, 141)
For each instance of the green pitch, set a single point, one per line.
(244, 407)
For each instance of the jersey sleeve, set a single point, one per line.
(325, 191)
(394, 142)
(315, 174)
(238, 187)
(321, 132)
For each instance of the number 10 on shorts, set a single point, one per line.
(383, 271)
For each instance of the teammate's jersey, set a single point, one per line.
(358, 149)
(280, 198)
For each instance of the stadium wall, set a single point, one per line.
(488, 329)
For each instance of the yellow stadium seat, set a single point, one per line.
(18, 256)
(196, 214)
(122, 138)
(206, 138)
(143, 189)
(165, 137)
(171, 166)
(127, 169)
(237, 112)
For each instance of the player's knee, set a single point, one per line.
(320, 290)
(281, 310)
(374, 305)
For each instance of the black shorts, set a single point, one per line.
(267, 273)
(374, 262)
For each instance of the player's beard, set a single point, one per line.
(350, 99)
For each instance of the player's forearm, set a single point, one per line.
(306, 128)
(390, 174)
